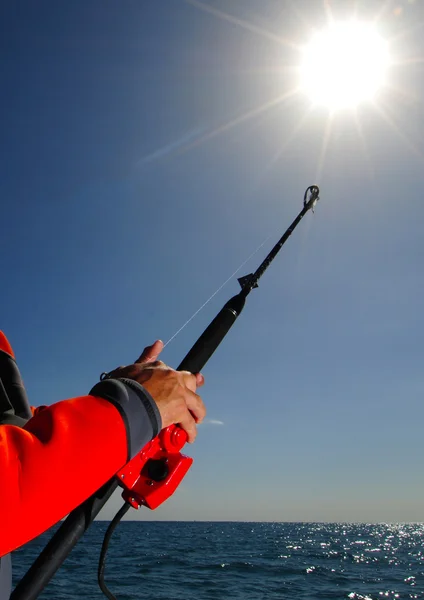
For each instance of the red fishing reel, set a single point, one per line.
(154, 474)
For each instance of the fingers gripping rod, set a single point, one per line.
(65, 538)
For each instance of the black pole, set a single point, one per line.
(13, 398)
(65, 538)
(213, 335)
(308, 204)
(61, 544)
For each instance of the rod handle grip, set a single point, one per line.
(208, 342)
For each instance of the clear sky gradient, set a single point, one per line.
(147, 149)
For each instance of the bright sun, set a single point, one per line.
(344, 65)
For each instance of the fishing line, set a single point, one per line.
(217, 291)
(314, 191)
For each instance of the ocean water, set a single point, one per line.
(241, 561)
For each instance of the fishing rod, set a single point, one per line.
(153, 475)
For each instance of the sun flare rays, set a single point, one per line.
(346, 65)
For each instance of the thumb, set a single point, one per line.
(150, 353)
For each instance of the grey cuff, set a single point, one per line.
(137, 408)
(5, 577)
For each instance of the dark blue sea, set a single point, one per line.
(242, 561)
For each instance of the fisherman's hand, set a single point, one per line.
(173, 391)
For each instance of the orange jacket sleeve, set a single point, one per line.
(66, 452)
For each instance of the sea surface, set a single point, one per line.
(241, 561)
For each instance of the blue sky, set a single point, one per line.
(138, 173)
